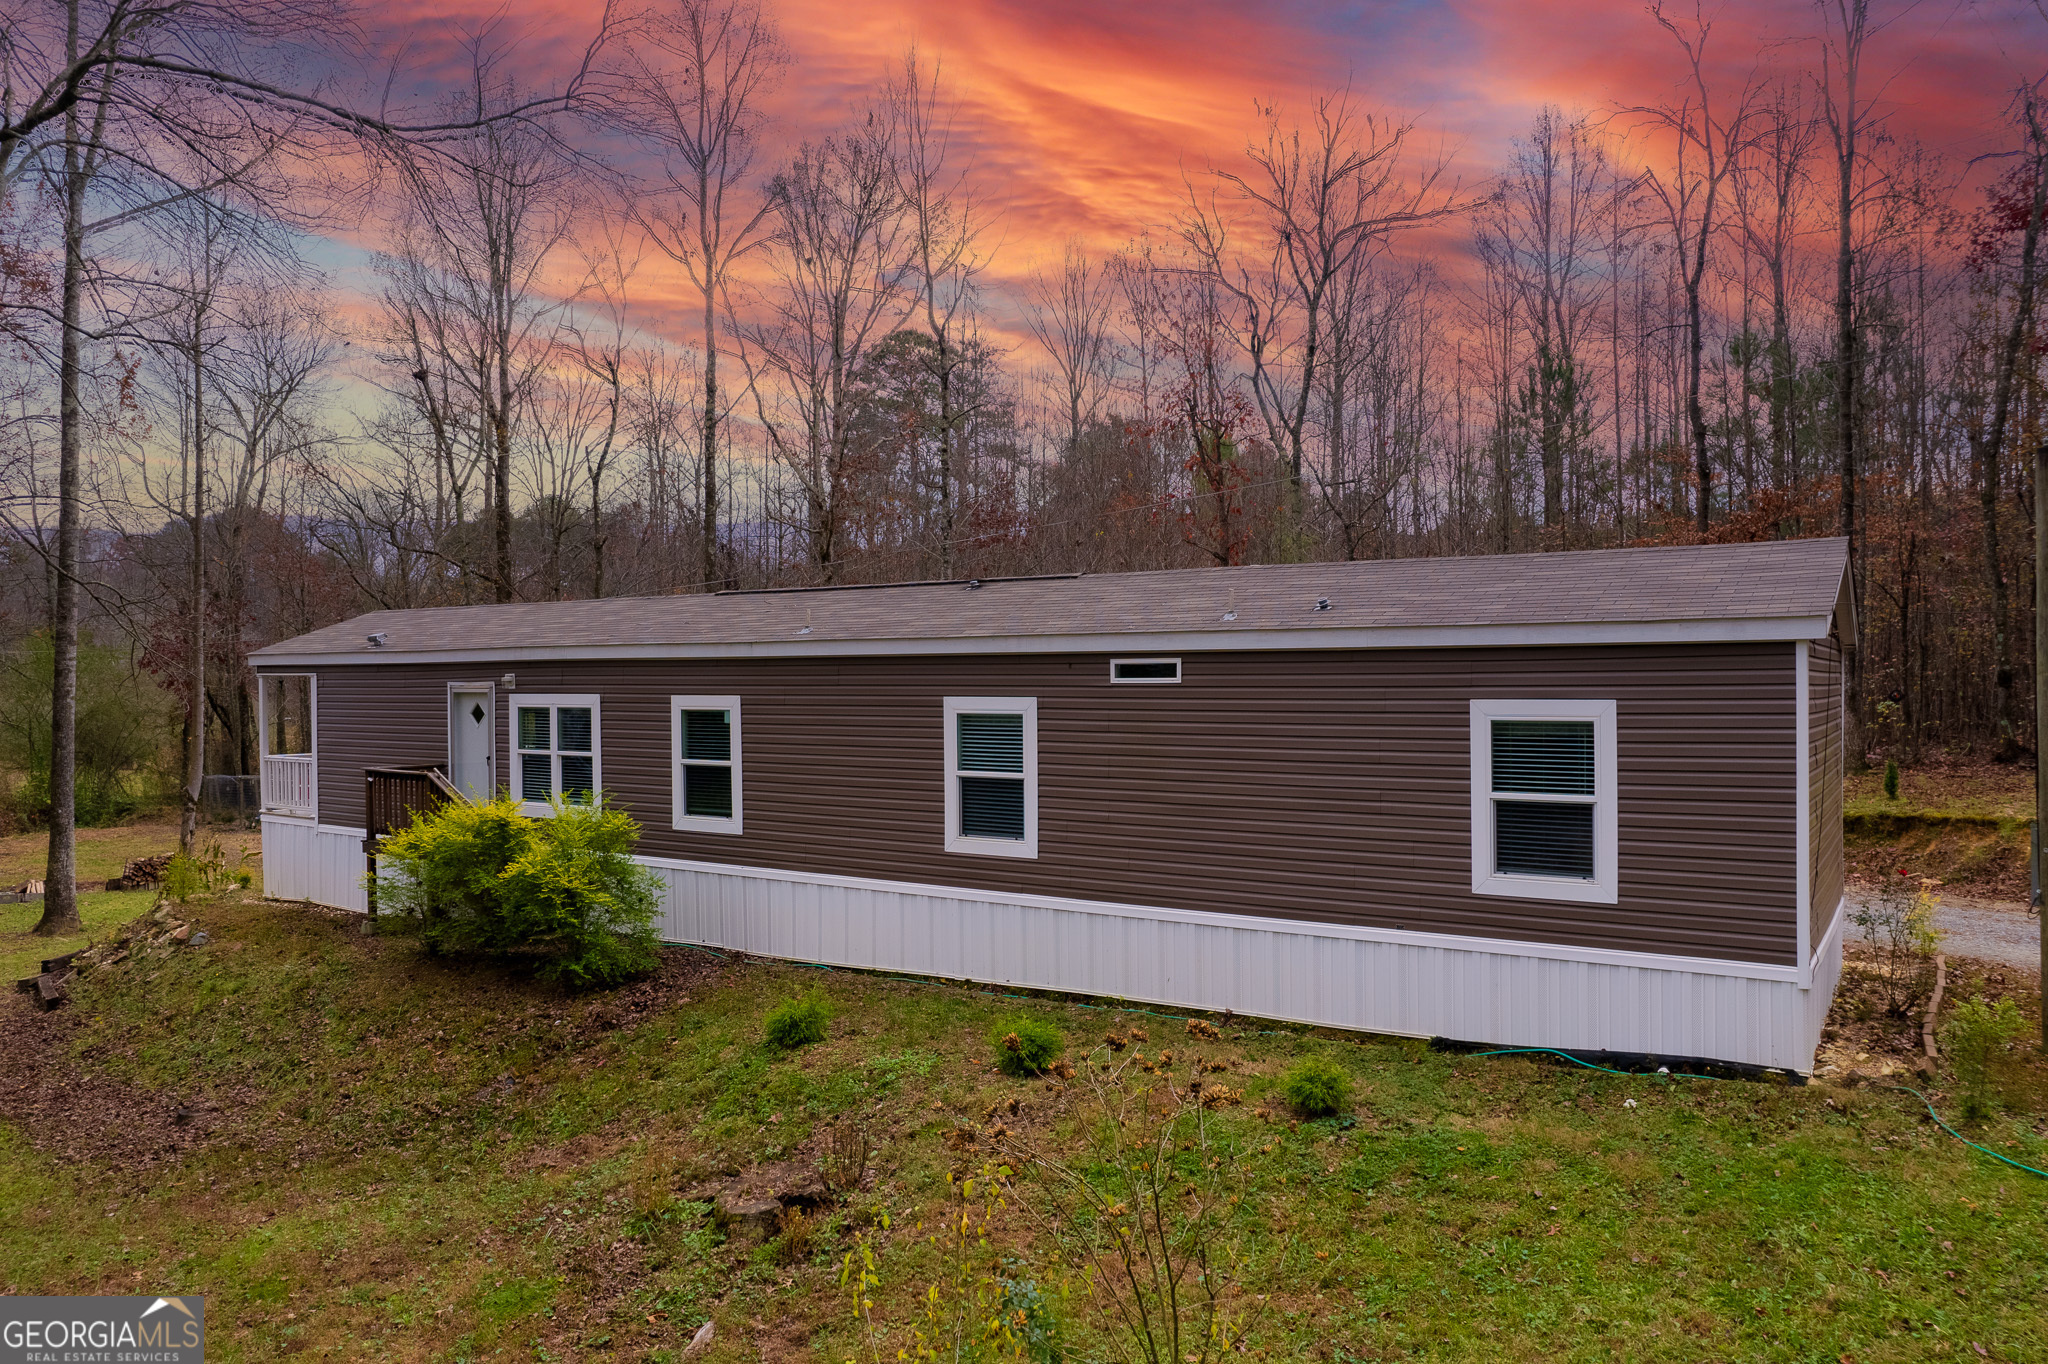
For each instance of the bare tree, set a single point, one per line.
(946, 222)
(1707, 142)
(1988, 430)
(1070, 317)
(1770, 202)
(840, 270)
(480, 227)
(1318, 197)
(1541, 230)
(1848, 108)
(148, 105)
(701, 69)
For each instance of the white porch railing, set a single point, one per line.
(288, 785)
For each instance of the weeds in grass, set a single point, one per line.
(1898, 923)
(1317, 1087)
(859, 1276)
(182, 879)
(1974, 1033)
(966, 1314)
(797, 1022)
(797, 1237)
(845, 1164)
(1026, 1046)
(1152, 1213)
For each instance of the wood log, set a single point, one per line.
(58, 963)
(1934, 1006)
(49, 991)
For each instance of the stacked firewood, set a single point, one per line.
(141, 873)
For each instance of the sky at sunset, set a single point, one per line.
(1082, 117)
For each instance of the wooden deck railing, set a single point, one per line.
(392, 798)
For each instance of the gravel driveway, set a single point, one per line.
(1989, 930)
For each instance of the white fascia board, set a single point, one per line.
(1748, 630)
(1656, 961)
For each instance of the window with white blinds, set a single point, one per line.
(992, 775)
(1544, 818)
(704, 737)
(556, 751)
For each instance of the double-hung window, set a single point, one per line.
(1544, 819)
(704, 737)
(557, 745)
(992, 775)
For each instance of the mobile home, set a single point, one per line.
(1583, 800)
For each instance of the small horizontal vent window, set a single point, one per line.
(1144, 670)
(992, 776)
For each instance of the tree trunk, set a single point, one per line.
(1845, 395)
(2041, 677)
(501, 432)
(1695, 410)
(60, 879)
(709, 564)
(946, 469)
(195, 678)
(1990, 453)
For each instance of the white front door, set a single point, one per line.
(471, 723)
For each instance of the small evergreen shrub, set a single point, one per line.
(798, 1022)
(1891, 779)
(1026, 1045)
(562, 891)
(1317, 1087)
(1971, 1036)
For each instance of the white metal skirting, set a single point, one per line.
(323, 863)
(1300, 972)
(1420, 985)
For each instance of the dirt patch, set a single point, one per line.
(1986, 857)
(1861, 1042)
(683, 972)
(72, 1113)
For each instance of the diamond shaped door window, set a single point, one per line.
(476, 712)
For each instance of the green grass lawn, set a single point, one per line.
(387, 1157)
(102, 853)
(21, 950)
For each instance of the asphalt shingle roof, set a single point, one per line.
(1777, 579)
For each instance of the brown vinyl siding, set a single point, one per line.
(1824, 782)
(1322, 785)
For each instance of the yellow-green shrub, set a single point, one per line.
(564, 890)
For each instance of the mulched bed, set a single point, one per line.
(70, 1112)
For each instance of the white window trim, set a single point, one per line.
(703, 824)
(522, 701)
(1027, 706)
(1173, 681)
(1605, 887)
